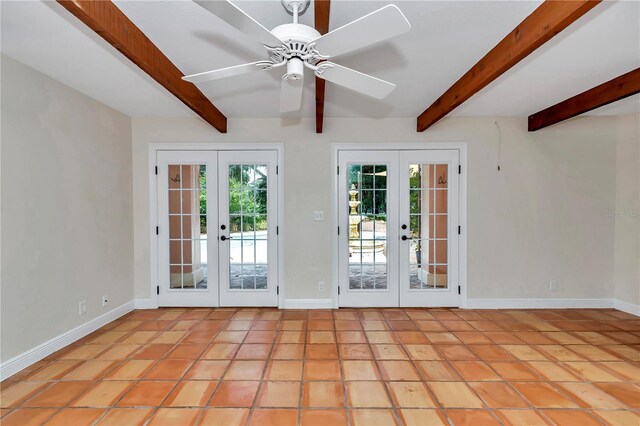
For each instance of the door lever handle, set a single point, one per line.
(404, 238)
(224, 238)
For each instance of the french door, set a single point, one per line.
(217, 214)
(398, 219)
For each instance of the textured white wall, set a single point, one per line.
(66, 208)
(542, 217)
(627, 220)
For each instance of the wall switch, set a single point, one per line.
(321, 286)
(82, 307)
(105, 300)
(553, 285)
(318, 216)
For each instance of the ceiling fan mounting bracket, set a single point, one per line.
(290, 5)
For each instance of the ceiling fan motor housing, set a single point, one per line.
(288, 33)
(296, 49)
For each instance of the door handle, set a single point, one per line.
(404, 238)
(224, 238)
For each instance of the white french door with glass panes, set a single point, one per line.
(217, 222)
(428, 256)
(248, 228)
(368, 228)
(398, 219)
(187, 249)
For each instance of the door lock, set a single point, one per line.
(223, 227)
(404, 226)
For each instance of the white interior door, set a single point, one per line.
(428, 255)
(248, 228)
(187, 195)
(368, 238)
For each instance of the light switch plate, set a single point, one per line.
(318, 216)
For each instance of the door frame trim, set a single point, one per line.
(154, 213)
(461, 147)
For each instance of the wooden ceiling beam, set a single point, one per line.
(613, 90)
(550, 18)
(321, 12)
(112, 24)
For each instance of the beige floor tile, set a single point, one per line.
(593, 397)
(398, 370)
(125, 416)
(360, 370)
(525, 352)
(175, 416)
(410, 395)
(75, 416)
(89, 370)
(104, 394)
(284, 370)
(191, 394)
(372, 418)
(619, 418)
(570, 417)
(28, 416)
(367, 395)
(455, 395)
(552, 371)
(225, 416)
(521, 418)
(245, 370)
(590, 372)
(422, 352)
(130, 370)
(279, 394)
(322, 394)
(422, 417)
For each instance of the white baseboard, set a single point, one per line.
(629, 308)
(308, 304)
(538, 303)
(25, 359)
(145, 304)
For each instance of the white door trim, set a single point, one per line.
(462, 215)
(153, 204)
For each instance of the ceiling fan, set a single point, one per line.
(300, 46)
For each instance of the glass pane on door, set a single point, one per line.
(428, 226)
(187, 196)
(248, 260)
(367, 212)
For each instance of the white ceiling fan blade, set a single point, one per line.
(291, 94)
(236, 17)
(355, 80)
(375, 27)
(224, 72)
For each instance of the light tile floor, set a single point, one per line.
(351, 366)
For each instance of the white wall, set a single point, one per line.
(626, 213)
(66, 208)
(541, 217)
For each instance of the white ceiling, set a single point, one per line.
(446, 39)
(44, 36)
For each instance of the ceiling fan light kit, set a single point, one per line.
(300, 46)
